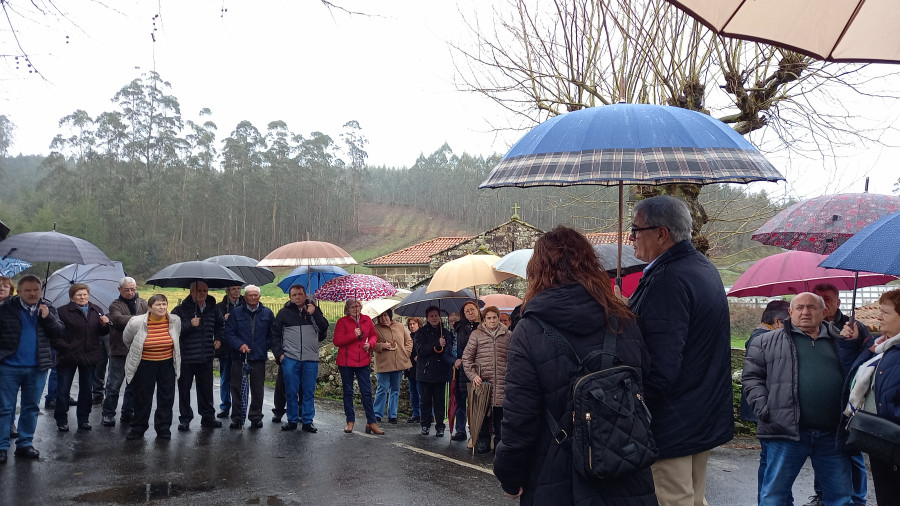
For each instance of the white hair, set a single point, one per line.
(127, 280)
(251, 288)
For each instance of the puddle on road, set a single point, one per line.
(271, 500)
(136, 494)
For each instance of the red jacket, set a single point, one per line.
(350, 348)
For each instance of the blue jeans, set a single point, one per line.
(785, 458)
(388, 390)
(31, 381)
(364, 379)
(300, 375)
(114, 379)
(66, 375)
(462, 393)
(414, 397)
(225, 383)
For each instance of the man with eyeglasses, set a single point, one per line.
(683, 315)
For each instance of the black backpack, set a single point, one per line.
(610, 433)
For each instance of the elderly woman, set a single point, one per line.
(78, 349)
(413, 325)
(355, 338)
(484, 359)
(569, 290)
(434, 359)
(392, 352)
(881, 396)
(153, 363)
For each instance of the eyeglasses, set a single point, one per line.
(634, 229)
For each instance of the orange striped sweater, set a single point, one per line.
(158, 345)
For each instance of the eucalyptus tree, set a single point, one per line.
(242, 160)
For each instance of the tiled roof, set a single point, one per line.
(418, 253)
(868, 315)
(597, 238)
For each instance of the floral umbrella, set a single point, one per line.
(355, 286)
(821, 224)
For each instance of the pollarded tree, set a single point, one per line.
(539, 59)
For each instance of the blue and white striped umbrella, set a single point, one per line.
(9, 267)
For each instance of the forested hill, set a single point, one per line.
(151, 188)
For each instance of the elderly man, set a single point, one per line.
(299, 328)
(247, 333)
(231, 300)
(683, 315)
(121, 310)
(201, 326)
(27, 324)
(833, 314)
(793, 378)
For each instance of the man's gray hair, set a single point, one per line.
(816, 297)
(668, 212)
(127, 280)
(251, 288)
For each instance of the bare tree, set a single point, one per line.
(540, 59)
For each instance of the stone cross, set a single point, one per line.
(515, 209)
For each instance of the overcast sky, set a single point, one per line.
(315, 68)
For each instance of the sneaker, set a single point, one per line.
(392, 421)
(438, 432)
(815, 500)
(426, 430)
(108, 421)
(459, 436)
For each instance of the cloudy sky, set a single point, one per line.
(315, 68)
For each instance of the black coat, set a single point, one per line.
(11, 331)
(225, 307)
(198, 343)
(431, 365)
(538, 378)
(80, 343)
(463, 330)
(683, 315)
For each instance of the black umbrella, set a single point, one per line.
(245, 267)
(4, 230)
(182, 274)
(417, 302)
(52, 247)
(608, 256)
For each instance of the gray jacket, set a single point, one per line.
(297, 334)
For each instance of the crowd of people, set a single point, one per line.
(807, 369)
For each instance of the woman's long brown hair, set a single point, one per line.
(563, 256)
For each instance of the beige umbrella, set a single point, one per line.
(833, 30)
(307, 253)
(479, 403)
(470, 270)
(373, 308)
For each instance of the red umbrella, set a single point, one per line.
(502, 301)
(794, 272)
(822, 224)
(451, 403)
(355, 286)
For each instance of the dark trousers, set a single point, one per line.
(493, 418)
(887, 481)
(150, 374)
(364, 379)
(462, 394)
(432, 400)
(257, 384)
(203, 372)
(280, 400)
(65, 375)
(99, 382)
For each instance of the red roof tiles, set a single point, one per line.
(418, 253)
(597, 238)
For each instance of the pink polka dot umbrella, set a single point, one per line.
(355, 286)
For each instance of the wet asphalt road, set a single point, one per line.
(268, 467)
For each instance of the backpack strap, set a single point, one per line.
(608, 355)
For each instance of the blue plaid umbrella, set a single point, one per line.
(9, 267)
(311, 277)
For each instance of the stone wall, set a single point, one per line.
(403, 276)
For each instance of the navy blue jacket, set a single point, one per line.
(198, 343)
(683, 315)
(433, 366)
(253, 328)
(11, 331)
(538, 378)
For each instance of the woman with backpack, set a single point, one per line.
(569, 291)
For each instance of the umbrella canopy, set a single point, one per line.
(307, 253)
(832, 30)
(52, 247)
(373, 308)
(9, 267)
(517, 261)
(245, 267)
(311, 277)
(793, 272)
(632, 144)
(470, 270)
(182, 274)
(355, 286)
(872, 249)
(502, 301)
(417, 302)
(103, 281)
(822, 224)
(4, 230)
(479, 403)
